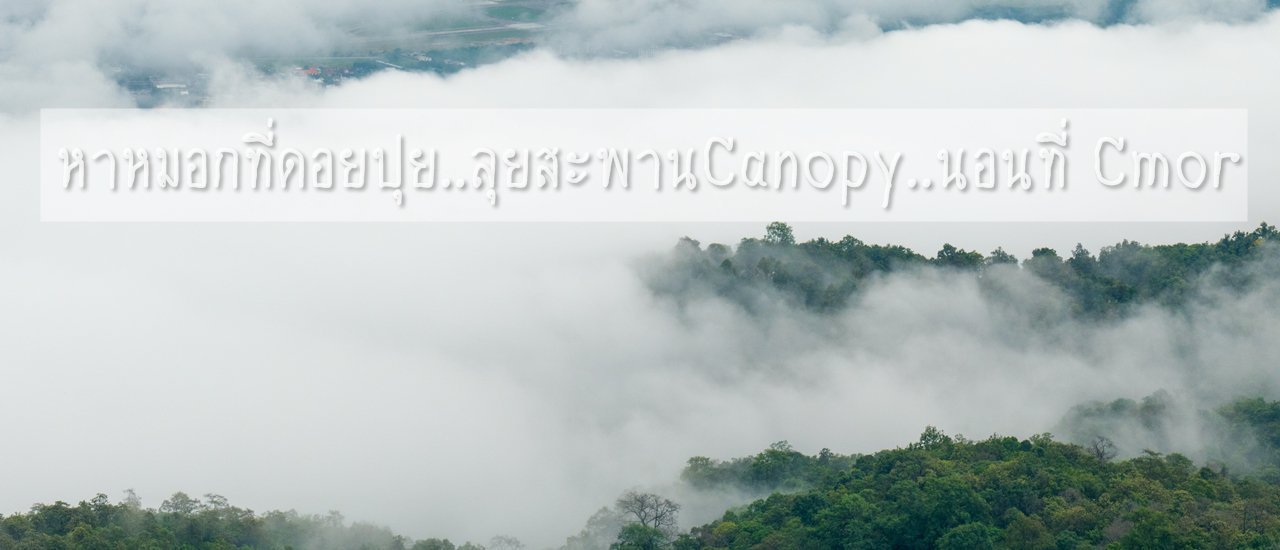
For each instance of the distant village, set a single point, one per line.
(499, 30)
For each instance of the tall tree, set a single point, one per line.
(649, 510)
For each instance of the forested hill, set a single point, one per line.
(822, 274)
(1003, 492)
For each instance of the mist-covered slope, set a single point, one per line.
(1153, 366)
(1076, 340)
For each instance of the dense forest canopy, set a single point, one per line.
(1003, 492)
(823, 275)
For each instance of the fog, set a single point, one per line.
(462, 382)
(468, 380)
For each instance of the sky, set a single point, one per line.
(467, 380)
